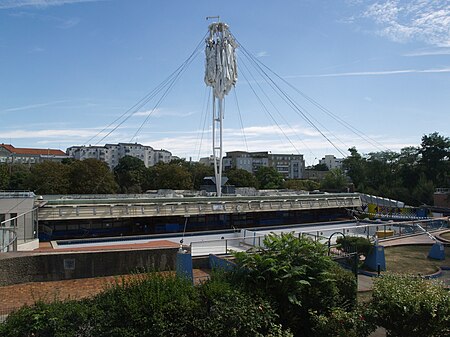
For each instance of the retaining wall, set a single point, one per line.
(66, 266)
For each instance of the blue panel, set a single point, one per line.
(184, 266)
(376, 258)
(216, 262)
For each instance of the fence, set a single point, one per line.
(251, 239)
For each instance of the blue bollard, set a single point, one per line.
(376, 260)
(437, 251)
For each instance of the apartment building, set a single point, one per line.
(331, 161)
(112, 153)
(291, 166)
(15, 155)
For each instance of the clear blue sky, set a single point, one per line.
(68, 68)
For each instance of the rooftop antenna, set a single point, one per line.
(221, 76)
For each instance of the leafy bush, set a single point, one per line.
(295, 275)
(346, 285)
(341, 323)
(153, 305)
(59, 319)
(230, 312)
(411, 306)
(358, 244)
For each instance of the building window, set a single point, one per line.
(13, 223)
(2, 218)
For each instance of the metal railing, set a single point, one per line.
(380, 231)
(19, 229)
(8, 240)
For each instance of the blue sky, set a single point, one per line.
(68, 68)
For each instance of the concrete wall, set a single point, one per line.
(19, 268)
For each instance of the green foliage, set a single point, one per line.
(435, 158)
(411, 306)
(410, 175)
(18, 178)
(59, 319)
(269, 178)
(295, 274)
(4, 177)
(347, 287)
(174, 175)
(358, 244)
(91, 176)
(301, 185)
(241, 178)
(49, 177)
(320, 167)
(341, 323)
(198, 172)
(154, 305)
(334, 180)
(130, 174)
(231, 312)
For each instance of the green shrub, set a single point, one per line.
(231, 312)
(341, 323)
(57, 319)
(346, 285)
(295, 274)
(358, 244)
(153, 305)
(411, 306)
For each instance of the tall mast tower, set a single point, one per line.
(221, 76)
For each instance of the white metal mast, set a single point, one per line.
(221, 75)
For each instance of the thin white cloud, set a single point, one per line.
(49, 133)
(62, 23)
(376, 73)
(429, 52)
(9, 4)
(412, 20)
(158, 113)
(262, 53)
(31, 106)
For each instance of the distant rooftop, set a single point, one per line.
(29, 151)
(16, 194)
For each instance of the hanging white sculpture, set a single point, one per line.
(221, 69)
(221, 75)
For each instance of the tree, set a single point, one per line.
(435, 158)
(91, 176)
(18, 178)
(411, 306)
(269, 178)
(355, 167)
(49, 177)
(296, 275)
(130, 174)
(334, 180)
(241, 178)
(301, 185)
(320, 167)
(4, 177)
(199, 172)
(170, 176)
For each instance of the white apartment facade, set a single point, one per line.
(291, 166)
(112, 153)
(331, 162)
